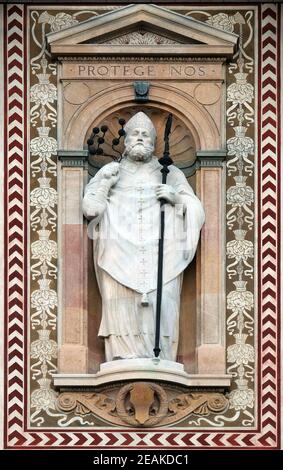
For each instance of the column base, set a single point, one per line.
(211, 359)
(73, 359)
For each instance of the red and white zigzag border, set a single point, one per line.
(15, 220)
(16, 433)
(269, 220)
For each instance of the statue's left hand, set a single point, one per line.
(167, 192)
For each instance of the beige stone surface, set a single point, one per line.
(188, 325)
(74, 274)
(211, 359)
(211, 316)
(73, 358)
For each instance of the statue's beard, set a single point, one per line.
(139, 152)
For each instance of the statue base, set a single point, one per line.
(153, 369)
(143, 368)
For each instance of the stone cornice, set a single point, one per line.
(138, 59)
(93, 37)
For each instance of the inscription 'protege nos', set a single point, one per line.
(139, 70)
(145, 70)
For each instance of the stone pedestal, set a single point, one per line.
(141, 369)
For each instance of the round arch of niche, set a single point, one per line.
(183, 151)
(184, 107)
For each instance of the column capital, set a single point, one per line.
(73, 158)
(210, 158)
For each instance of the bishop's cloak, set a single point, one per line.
(126, 257)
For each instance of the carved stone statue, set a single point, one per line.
(122, 200)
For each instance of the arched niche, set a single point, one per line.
(183, 150)
(201, 346)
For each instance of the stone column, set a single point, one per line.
(210, 271)
(73, 351)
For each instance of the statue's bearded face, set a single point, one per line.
(139, 145)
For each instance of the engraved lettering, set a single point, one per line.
(177, 70)
(102, 70)
(91, 70)
(139, 71)
(190, 71)
(81, 69)
(127, 70)
(115, 69)
(173, 68)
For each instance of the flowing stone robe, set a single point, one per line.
(125, 252)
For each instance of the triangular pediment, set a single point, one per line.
(129, 29)
(138, 36)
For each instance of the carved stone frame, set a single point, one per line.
(74, 354)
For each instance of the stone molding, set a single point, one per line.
(193, 37)
(140, 404)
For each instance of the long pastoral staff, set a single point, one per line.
(165, 161)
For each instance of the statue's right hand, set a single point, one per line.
(110, 173)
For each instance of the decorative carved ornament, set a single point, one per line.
(140, 37)
(143, 404)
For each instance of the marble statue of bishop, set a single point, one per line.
(123, 202)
